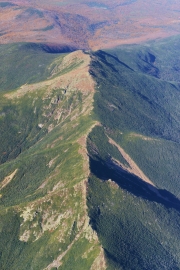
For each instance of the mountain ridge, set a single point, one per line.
(65, 180)
(39, 185)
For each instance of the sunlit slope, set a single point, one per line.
(134, 188)
(23, 63)
(44, 168)
(112, 117)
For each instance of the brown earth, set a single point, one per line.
(88, 24)
(133, 168)
(59, 221)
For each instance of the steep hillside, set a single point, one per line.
(134, 189)
(28, 63)
(89, 168)
(44, 169)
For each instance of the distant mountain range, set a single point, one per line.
(88, 24)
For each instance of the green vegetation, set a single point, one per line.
(42, 174)
(127, 100)
(141, 113)
(44, 166)
(137, 223)
(77, 258)
(101, 147)
(24, 63)
(135, 233)
(158, 158)
(33, 143)
(160, 59)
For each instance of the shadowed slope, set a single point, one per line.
(133, 189)
(44, 170)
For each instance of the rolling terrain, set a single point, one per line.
(88, 24)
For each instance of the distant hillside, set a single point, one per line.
(88, 24)
(28, 63)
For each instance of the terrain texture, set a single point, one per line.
(89, 135)
(90, 146)
(133, 195)
(88, 24)
(44, 164)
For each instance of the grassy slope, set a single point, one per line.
(23, 63)
(43, 206)
(138, 225)
(43, 221)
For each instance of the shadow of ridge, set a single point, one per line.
(103, 55)
(52, 48)
(105, 170)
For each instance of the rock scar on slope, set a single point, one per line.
(133, 167)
